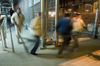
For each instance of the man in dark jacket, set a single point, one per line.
(64, 27)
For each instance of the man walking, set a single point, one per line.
(78, 26)
(18, 18)
(64, 26)
(36, 31)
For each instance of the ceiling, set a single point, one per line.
(7, 2)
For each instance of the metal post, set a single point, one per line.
(46, 17)
(56, 20)
(4, 38)
(11, 40)
(96, 17)
(63, 12)
(63, 8)
(24, 44)
(12, 5)
(43, 23)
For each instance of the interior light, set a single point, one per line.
(87, 10)
(69, 9)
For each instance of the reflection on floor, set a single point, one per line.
(91, 59)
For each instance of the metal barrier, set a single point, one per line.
(3, 31)
(3, 38)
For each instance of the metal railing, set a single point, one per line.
(3, 31)
(3, 37)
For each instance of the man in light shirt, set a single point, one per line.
(78, 26)
(17, 19)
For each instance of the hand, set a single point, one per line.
(85, 28)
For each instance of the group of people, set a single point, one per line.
(17, 19)
(67, 27)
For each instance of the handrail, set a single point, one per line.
(2, 24)
(3, 34)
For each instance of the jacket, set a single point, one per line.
(36, 26)
(78, 25)
(18, 19)
(64, 26)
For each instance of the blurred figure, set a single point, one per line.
(18, 18)
(36, 31)
(11, 12)
(64, 26)
(78, 25)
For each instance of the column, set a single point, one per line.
(56, 19)
(43, 23)
(96, 18)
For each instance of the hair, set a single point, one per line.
(77, 14)
(67, 15)
(39, 13)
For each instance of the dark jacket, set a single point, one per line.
(64, 26)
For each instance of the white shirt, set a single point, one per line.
(18, 19)
(78, 25)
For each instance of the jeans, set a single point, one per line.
(75, 36)
(36, 45)
(66, 39)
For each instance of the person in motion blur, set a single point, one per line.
(36, 31)
(17, 19)
(64, 26)
(78, 25)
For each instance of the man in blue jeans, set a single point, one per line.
(36, 31)
(64, 27)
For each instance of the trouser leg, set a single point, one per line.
(75, 44)
(36, 45)
(65, 38)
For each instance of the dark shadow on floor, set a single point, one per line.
(86, 47)
(95, 57)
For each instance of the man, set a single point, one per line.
(64, 26)
(78, 26)
(36, 31)
(18, 18)
(11, 12)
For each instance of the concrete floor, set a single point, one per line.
(88, 54)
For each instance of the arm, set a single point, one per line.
(23, 17)
(58, 25)
(83, 24)
(13, 19)
(32, 23)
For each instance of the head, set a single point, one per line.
(11, 9)
(18, 10)
(38, 14)
(67, 15)
(78, 15)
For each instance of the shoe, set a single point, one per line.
(59, 56)
(20, 42)
(34, 54)
(71, 51)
